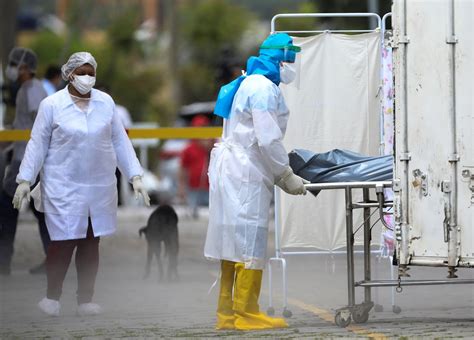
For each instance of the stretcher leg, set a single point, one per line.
(271, 309)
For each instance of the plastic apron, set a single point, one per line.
(241, 187)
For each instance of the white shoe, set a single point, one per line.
(88, 309)
(50, 307)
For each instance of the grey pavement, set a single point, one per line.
(138, 308)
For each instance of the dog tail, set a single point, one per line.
(141, 231)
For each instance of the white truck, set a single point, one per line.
(434, 119)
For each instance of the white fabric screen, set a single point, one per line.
(336, 106)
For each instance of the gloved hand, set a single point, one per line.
(139, 188)
(22, 192)
(291, 183)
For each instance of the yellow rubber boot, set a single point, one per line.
(246, 293)
(225, 314)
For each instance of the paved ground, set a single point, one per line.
(137, 308)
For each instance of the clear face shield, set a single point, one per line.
(290, 69)
(290, 65)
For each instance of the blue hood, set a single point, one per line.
(267, 64)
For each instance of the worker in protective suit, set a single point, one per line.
(243, 169)
(77, 142)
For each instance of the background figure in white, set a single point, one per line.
(124, 116)
(52, 79)
(122, 183)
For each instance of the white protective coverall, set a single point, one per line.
(77, 153)
(242, 172)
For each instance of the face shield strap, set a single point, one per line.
(282, 47)
(289, 51)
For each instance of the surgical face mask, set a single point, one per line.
(83, 84)
(287, 73)
(11, 72)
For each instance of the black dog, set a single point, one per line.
(162, 226)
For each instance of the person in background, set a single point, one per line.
(243, 170)
(124, 116)
(126, 120)
(52, 79)
(22, 63)
(193, 180)
(77, 142)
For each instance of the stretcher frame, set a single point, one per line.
(359, 313)
(279, 253)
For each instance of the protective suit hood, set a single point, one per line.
(265, 67)
(275, 49)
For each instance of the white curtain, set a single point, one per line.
(334, 104)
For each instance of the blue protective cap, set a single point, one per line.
(279, 47)
(275, 49)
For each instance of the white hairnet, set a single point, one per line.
(25, 56)
(76, 60)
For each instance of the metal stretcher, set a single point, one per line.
(357, 312)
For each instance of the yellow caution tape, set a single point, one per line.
(160, 133)
(177, 133)
(14, 135)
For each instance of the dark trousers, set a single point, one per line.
(87, 263)
(8, 224)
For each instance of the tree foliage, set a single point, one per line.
(212, 30)
(120, 60)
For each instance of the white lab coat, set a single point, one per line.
(242, 171)
(77, 154)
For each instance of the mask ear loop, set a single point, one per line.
(21, 61)
(70, 76)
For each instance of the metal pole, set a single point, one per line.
(277, 221)
(395, 283)
(350, 248)
(367, 239)
(270, 286)
(401, 192)
(384, 22)
(324, 15)
(343, 185)
(453, 247)
(285, 290)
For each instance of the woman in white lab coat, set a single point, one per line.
(243, 169)
(76, 143)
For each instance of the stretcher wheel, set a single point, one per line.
(340, 321)
(378, 308)
(287, 313)
(396, 309)
(360, 317)
(271, 311)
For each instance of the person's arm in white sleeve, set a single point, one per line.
(264, 105)
(269, 134)
(38, 145)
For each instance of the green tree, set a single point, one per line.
(210, 29)
(299, 24)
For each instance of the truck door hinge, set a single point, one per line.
(452, 40)
(405, 157)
